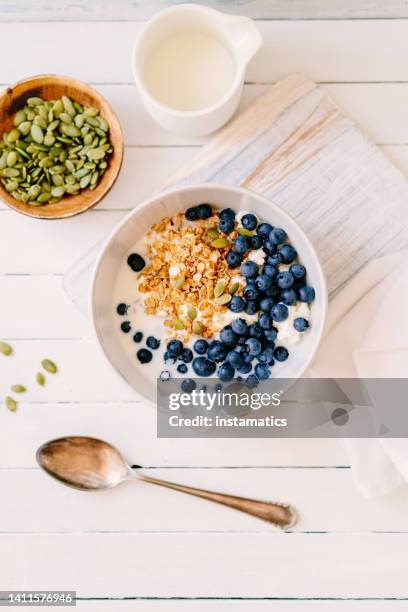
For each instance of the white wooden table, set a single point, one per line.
(141, 548)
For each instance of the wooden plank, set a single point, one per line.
(209, 565)
(127, 10)
(131, 426)
(138, 507)
(327, 51)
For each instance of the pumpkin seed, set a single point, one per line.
(19, 118)
(220, 243)
(85, 180)
(57, 192)
(40, 378)
(191, 313)
(243, 231)
(177, 323)
(97, 153)
(213, 233)
(223, 299)
(49, 366)
(233, 288)
(10, 403)
(197, 328)
(37, 133)
(18, 388)
(13, 135)
(219, 288)
(34, 101)
(179, 282)
(5, 349)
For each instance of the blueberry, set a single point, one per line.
(269, 247)
(227, 213)
(263, 282)
(255, 330)
(217, 351)
(249, 221)
(262, 371)
(245, 368)
(255, 242)
(288, 253)
(253, 346)
(136, 262)
(188, 385)
(226, 372)
(241, 244)
(277, 235)
(306, 294)
(266, 304)
(152, 342)
(300, 324)
(204, 211)
(203, 366)
(240, 327)
(236, 304)
(226, 225)
(281, 353)
(298, 271)
(169, 359)
(252, 381)
(165, 376)
(264, 229)
(174, 348)
(187, 355)
(228, 336)
(251, 292)
(144, 355)
(125, 327)
(200, 346)
(248, 358)
(270, 271)
(251, 307)
(285, 280)
(265, 321)
(271, 334)
(279, 312)
(249, 269)
(266, 356)
(138, 337)
(234, 359)
(182, 368)
(288, 297)
(191, 213)
(274, 260)
(122, 309)
(234, 259)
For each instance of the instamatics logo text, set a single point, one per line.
(201, 408)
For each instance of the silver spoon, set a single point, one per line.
(90, 464)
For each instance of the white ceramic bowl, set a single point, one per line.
(139, 221)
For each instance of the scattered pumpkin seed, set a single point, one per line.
(18, 388)
(5, 349)
(213, 233)
(10, 403)
(40, 378)
(179, 282)
(220, 243)
(191, 313)
(177, 323)
(49, 366)
(223, 299)
(243, 231)
(197, 328)
(233, 288)
(219, 288)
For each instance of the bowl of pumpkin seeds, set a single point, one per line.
(61, 147)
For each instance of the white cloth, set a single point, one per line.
(367, 337)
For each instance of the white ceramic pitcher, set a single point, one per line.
(238, 35)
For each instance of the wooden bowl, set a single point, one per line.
(51, 87)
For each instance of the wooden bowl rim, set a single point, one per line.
(119, 149)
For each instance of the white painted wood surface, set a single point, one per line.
(140, 542)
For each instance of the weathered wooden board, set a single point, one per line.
(295, 146)
(105, 10)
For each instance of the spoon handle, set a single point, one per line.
(281, 515)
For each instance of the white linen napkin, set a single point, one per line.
(367, 337)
